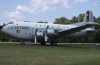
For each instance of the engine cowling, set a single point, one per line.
(51, 32)
(39, 34)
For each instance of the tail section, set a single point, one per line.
(89, 17)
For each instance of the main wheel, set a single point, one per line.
(43, 42)
(53, 43)
(23, 43)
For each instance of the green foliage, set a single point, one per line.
(74, 20)
(81, 17)
(62, 20)
(5, 38)
(98, 20)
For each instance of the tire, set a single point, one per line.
(43, 43)
(53, 43)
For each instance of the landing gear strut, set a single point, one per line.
(22, 43)
(53, 43)
(43, 42)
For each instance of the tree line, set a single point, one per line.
(94, 38)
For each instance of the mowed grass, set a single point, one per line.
(63, 54)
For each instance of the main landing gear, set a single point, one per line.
(52, 43)
(22, 43)
(43, 43)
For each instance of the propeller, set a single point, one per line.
(35, 39)
(45, 36)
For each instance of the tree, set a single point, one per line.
(74, 19)
(62, 20)
(78, 18)
(5, 38)
(81, 17)
(98, 20)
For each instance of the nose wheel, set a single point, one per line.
(22, 43)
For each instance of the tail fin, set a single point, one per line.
(89, 17)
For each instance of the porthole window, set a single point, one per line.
(9, 27)
(25, 33)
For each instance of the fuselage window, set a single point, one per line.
(9, 27)
(17, 27)
(25, 33)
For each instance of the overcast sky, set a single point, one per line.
(45, 10)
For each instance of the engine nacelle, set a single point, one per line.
(39, 34)
(51, 32)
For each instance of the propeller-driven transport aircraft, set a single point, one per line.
(45, 32)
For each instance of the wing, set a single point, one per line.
(78, 28)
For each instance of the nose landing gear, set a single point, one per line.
(22, 43)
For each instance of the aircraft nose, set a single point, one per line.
(1, 26)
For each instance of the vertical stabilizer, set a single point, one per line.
(89, 17)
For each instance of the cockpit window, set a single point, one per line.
(8, 23)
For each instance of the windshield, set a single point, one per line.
(8, 23)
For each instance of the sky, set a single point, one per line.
(45, 10)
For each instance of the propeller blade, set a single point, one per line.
(46, 37)
(35, 39)
(47, 28)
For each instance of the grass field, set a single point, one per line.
(63, 54)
